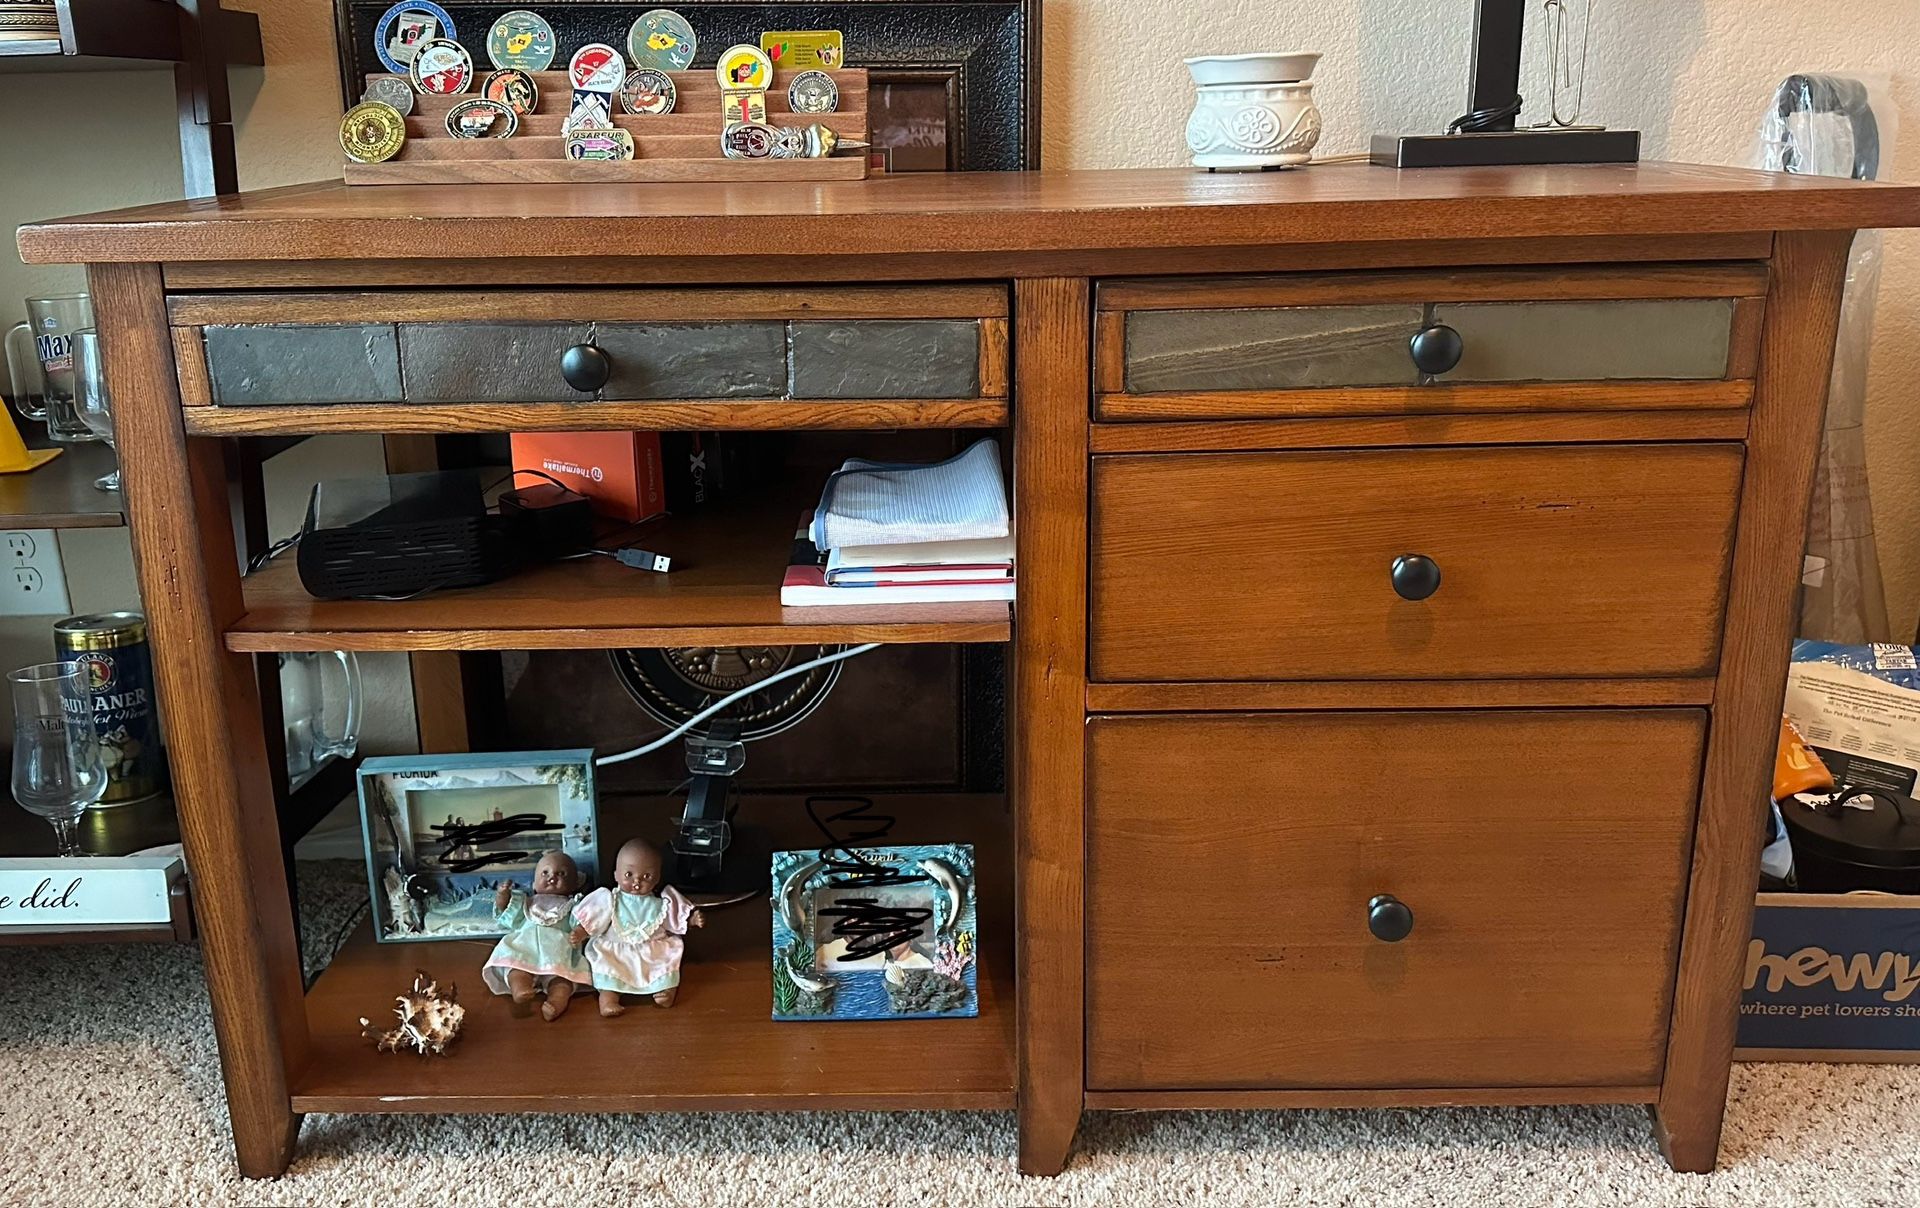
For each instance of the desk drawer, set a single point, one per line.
(1576, 561)
(836, 343)
(1233, 861)
(1378, 343)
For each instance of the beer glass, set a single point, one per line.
(50, 323)
(90, 397)
(57, 767)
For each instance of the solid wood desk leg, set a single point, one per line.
(182, 525)
(1051, 390)
(1803, 311)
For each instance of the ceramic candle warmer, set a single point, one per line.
(1253, 111)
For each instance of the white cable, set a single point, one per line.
(724, 701)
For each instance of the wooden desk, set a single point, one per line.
(1406, 577)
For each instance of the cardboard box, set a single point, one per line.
(1832, 977)
(620, 472)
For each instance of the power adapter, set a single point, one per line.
(551, 519)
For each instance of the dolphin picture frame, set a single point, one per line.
(875, 933)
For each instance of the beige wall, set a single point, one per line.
(1692, 74)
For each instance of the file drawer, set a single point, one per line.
(1390, 343)
(1415, 564)
(1249, 877)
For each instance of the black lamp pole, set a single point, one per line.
(1485, 134)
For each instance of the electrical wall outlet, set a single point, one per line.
(32, 581)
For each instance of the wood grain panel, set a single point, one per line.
(1596, 427)
(1521, 398)
(1542, 855)
(190, 355)
(1796, 360)
(183, 546)
(1398, 694)
(594, 305)
(1397, 1097)
(1052, 326)
(994, 356)
(1580, 562)
(1589, 283)
(677, 415)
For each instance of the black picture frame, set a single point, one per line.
(984, 54)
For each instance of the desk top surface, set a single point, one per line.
(968, 212)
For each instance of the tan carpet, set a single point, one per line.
(110, 1095)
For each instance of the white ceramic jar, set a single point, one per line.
(1253, 111)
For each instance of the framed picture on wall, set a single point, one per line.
(955, 87)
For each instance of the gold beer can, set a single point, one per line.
(112, 646)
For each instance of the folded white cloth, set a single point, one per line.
(873, 503)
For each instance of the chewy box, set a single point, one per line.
(1832, 977)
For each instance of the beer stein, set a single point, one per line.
(51, 324)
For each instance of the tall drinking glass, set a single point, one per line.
(57, 766)
(50, 323)
(90, 396)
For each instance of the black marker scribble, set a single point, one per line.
(491, 831)
(868, 927)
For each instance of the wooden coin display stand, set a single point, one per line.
(680, 146)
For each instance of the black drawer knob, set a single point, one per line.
(586, 368)
(1415, 576)
(1389, 918)
(1436, 349)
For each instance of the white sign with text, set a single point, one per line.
(92, 892)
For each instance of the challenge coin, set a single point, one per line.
(479, 117)
(589, 111)
(597, 67)
(372, 132)
(442, 68)
(744, 67)
(662, 39)
(405, 28)
(749, 140)
(521, 39)
(605, 144)
(391, 90)
(813, 92)
(513, 88)
(648, 90)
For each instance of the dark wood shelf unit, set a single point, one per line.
(717, 1048)
(61, 494)
(127, 35)
(724, 590)
(716, 415)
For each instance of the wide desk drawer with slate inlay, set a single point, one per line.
(445, 349)
(1628, 338)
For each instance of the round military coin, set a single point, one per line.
(662, 39)
(597, 67)
(521, 39)
(479, 117)
(749, 140)
(513, 88)
(406, 27)
(442, 68)
(813, 92)
(744, 67)
(372, 132)
(391, 90)
(648, 90)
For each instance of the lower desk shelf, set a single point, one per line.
(716, 1049)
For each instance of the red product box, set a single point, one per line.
(620, 472)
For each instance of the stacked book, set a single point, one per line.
(906, 534)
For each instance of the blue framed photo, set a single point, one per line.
(875, 933)
(442, 831)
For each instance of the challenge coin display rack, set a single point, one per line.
(683, 145)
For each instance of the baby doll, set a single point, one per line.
(635, 930)
(539, 954)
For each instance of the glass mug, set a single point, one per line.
(51, 322)
(303, 708)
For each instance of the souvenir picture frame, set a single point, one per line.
(442, 831)
(876, 933)
(954, 87)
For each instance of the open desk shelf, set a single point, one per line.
(716, 1049)
(724, 590)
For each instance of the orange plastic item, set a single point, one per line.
(620, 473)
(1796, 768)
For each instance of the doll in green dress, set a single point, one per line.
(538, 954)
(632, 931)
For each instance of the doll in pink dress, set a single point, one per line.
(538, 954)
(632, 931)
